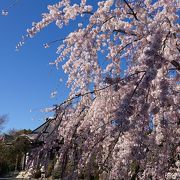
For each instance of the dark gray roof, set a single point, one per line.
(43, 130)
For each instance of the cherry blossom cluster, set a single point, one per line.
(119, 121)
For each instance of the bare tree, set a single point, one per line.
(3, 120)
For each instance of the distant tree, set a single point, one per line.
(12, 150)
(16, 132)
(3, 120)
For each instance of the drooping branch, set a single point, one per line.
(97, 90)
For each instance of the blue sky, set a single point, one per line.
(26, 79)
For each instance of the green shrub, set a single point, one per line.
(134, 169)
(50, 168)
(56, 174)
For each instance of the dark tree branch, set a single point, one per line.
(135, 89)
(177, 47)
(124, 32)
(88, 12)
(131, 9)
(96, 90)
(176, 64)
(164, 42)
